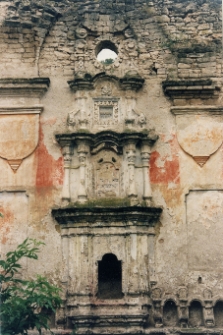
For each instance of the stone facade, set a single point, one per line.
(118, 168)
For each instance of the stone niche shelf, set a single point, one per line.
(186, 89)
(25, 87)
(85, 81)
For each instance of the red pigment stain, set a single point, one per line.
(5, 223)
(170, 171)
(49, 171)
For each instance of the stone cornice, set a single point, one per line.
(125, 216)
(110, 138)
(24, 87)
(212, 110)
(21, 110)
(190, 88)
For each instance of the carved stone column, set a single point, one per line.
(131, 155)
(151, 255)
(183, 310)
(157, 308)
(145, 156)
(83, 150)
(208, 308)
(67, 155)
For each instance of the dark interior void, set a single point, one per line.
(218, 314)
(170, 314)
(196, 314)
(109, 278)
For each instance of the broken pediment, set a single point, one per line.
(85, 81)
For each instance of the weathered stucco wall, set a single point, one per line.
(175, 47)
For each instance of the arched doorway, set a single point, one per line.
(218, 314)
(109, 277)
(170, 317)
(195, 314)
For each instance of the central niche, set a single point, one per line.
(109, 278)
(107, 175)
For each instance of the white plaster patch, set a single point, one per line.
(205, 229)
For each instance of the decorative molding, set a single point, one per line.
(21, 110)
(106, 111)
(110, 138)
(91, 217)
(24, 87)
(85, 81)
(199, 130)
(212, 110)
(190, 89)
(19, 133)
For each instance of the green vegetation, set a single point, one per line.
(24, 302)
(107, 61)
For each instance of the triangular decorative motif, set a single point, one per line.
(201, 160)
(15, 164)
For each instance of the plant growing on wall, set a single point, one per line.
(23, 301)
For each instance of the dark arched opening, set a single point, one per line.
(196, 314)
(218, 314)
(170, 314)
(109, 277)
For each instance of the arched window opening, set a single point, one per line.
(196, 314)
(170, 314)
(109, 277)
(218, 314)
(106, 52)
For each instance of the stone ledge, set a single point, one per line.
(25, 87)
(130, 215)
(190, 88)
(109, 137)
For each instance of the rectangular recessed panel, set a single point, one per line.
(105, 112)
(205, 229)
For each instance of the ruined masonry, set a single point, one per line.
(117, 166)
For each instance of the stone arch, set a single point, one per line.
(196, 318)
(109, 277)
(218, 313)
(170, 316)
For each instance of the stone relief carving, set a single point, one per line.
(133, 119)
(113, 158)
(199, 131)
(19, 133)
(78, 118)
(106, 111)
(107, 175)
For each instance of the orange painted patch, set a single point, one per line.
(49, 171)
(5, 222)
(170, 171)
